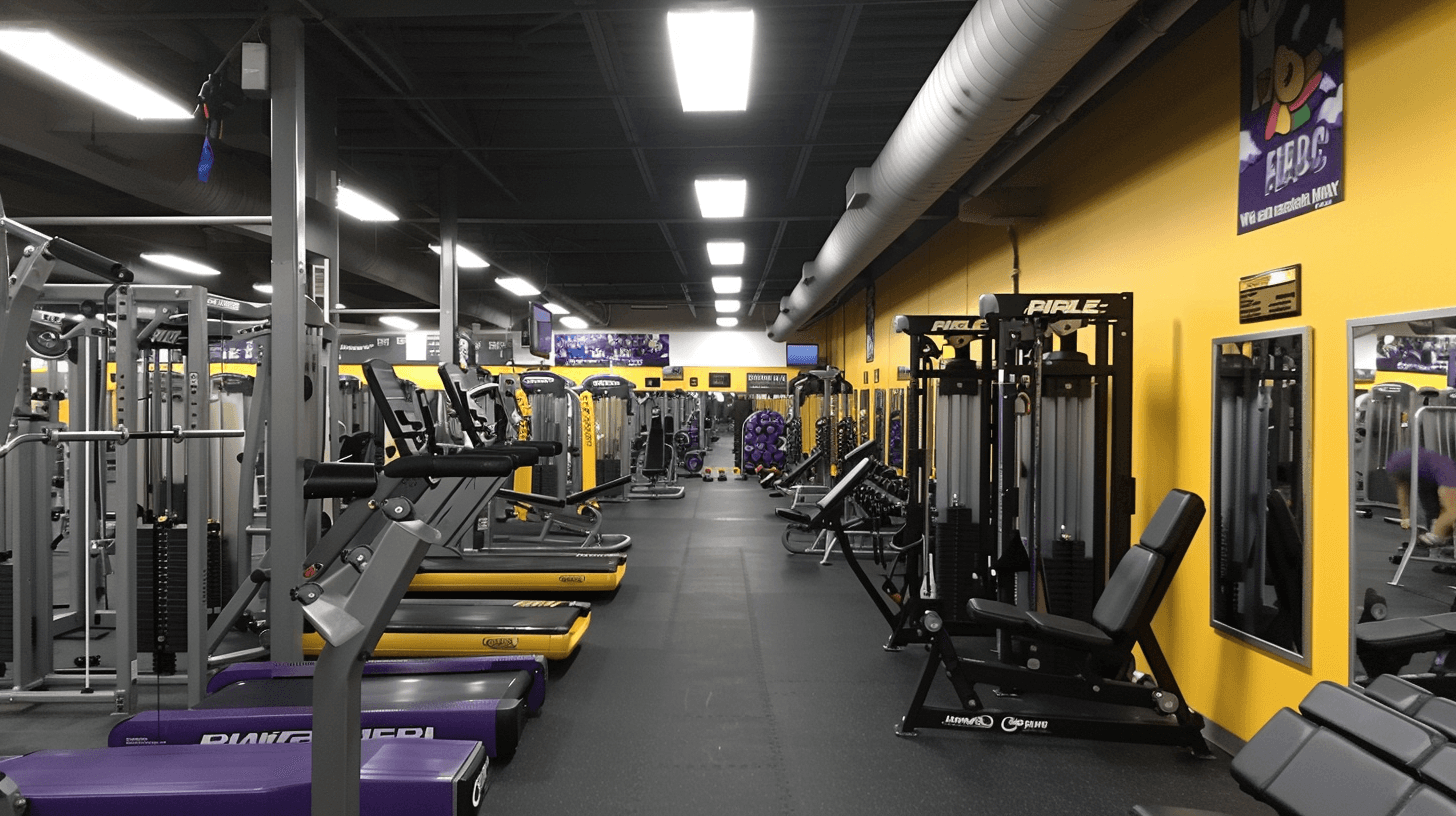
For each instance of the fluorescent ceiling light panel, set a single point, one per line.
(518, 286)
(727, 285)
(353, 203)
(178, 263)
(57, 58)
(712, 52)
(726, 305)
(265, 288)
(465, 258)
(397, 322)
(721, 197)
(573, 322)
(557, 309)
(725, 253)
(727, 322)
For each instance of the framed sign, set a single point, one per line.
(720, 380)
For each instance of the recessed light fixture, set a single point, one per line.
(712, 52)
(265, 288)
(725, 253)
(353, 203)
(557, 309)
(727, 322)
(178, 263)
(518, 286)
(573, 322)
(465, 258)
(721, 197)
(397, 322)
(726, 305)
(727, 284)
(57, 58)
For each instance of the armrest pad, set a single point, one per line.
(578, 498)
(338, 480)
(463, 466)
(532, 498)
(791, 515)
(1001, 615)
(1068, 631)
(1144, 810)
(522, 454)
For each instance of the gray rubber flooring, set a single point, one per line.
(726, 676)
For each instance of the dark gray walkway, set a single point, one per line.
(727, 677)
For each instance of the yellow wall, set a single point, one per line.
(1143, 198)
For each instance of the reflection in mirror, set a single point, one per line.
(1261, 490)
(895, 436)
(1402, 420)
(864, 415)
(880, 422)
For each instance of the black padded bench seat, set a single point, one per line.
(1346, 752)
(1384, 647)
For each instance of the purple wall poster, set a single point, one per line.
(611, 348)
(1292, 95)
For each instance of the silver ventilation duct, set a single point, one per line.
(1004, 58)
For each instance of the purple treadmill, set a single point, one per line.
(485, 699)
(396, 776)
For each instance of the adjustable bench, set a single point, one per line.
(1387, 751)
(656, 467)
(1122, 618)
(1387, 646)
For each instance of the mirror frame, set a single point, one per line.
(1306, 524)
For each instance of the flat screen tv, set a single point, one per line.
(801, 354)
(538, 332)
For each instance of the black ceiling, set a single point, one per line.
(559, 121)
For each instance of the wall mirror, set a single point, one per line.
(1260, 502)
(862, 415)
(880, 423)
(1401, 564)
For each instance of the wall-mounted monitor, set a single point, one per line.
(538, 332)
(801, 354)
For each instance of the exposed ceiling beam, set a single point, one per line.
(428, 112)
(848, 19)
(603, 44)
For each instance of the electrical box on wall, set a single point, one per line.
(255, 70)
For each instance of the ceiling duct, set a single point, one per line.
(1004, 58)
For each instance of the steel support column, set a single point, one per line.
(285, 410)
(449, 269)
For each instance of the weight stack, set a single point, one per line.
(7, 610)
(961, 555)
(217, 566)
(1069, 580)
(162, 594)
(543, 479)
(607, 470)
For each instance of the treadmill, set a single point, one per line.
(449, 503)
(484, 699)
(554, 532)
(455, 508)
(348, 600)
